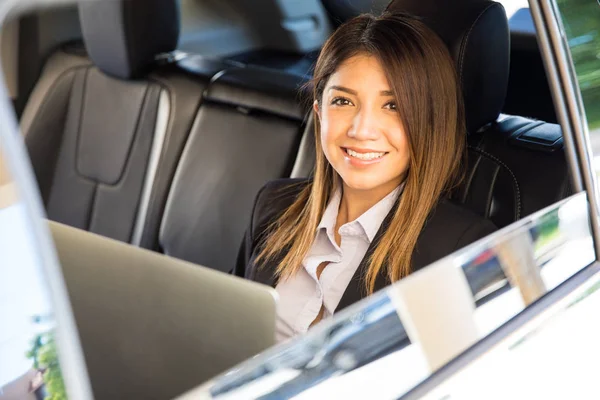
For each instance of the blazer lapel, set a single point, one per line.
(356, 289)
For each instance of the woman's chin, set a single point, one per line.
(366, 182)
(361, 184)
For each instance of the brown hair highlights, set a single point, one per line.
(422, 77)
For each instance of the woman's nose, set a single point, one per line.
(364, 126)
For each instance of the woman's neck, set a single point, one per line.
(355, 203)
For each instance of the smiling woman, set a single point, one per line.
(390, 128)
(362, 136)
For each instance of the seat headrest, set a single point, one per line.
(478, 37)
(342, 11)
(123, 37)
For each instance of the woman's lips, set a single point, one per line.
(363, 157)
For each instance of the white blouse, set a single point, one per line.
(302, 296)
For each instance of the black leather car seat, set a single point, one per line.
(248, 131)
(105, 132)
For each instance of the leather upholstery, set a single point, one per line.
(43, 120)
(91, 135)
(59, 64)
(341, 11)
(516, 166)
(89, 145)
(306, 158)
(257, 89)
(124, 37)
(185, 95)
(242, 138)
(477, 35)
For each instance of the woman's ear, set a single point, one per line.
(316, 109)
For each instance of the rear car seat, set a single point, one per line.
(248, 131)
(104, 136)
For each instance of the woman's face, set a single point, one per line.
(361, 132)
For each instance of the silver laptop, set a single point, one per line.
(152, 326)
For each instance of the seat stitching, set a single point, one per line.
(79, 125)
(514, 178)
(134, 139)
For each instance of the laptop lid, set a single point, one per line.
(152, 326)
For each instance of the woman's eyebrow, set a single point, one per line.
(344, 89)
(354, 92)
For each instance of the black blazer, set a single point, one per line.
(448, 228)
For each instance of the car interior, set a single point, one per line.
(157, 125)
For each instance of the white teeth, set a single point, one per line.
(365, 156)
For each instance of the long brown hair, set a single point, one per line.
(423, 79)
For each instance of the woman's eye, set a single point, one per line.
(390, 106)
(340, 101)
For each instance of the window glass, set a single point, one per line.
(29, 359)
(512, 6)
(423, 321)
(467, 294)
(40, 357)
(568, 331)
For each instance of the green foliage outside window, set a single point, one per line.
(581, 20)
(45, 357)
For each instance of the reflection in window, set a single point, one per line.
(8, 194)
(29, 365)
(397, 331)
(548, 358)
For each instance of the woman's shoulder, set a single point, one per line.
(283, 188)
(274, 198)
(280, 193)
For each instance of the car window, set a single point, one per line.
(28, 342)
(512, 6)
(39, 348)
(417, 325)
(520, 357)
